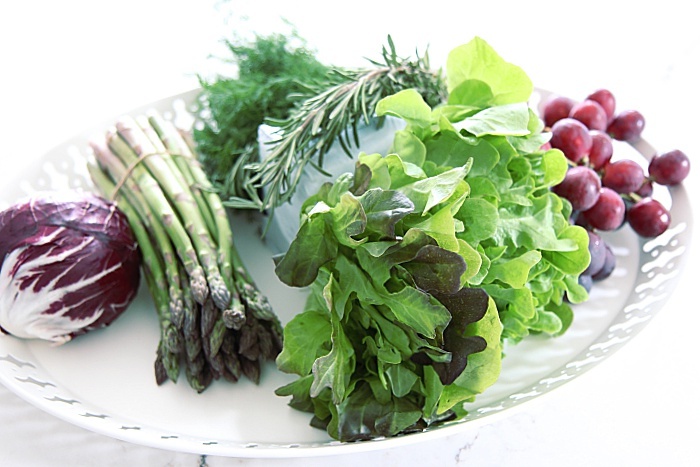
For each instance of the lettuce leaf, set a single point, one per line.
(478, 61)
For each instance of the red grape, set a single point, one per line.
(601, 149)
(555, 109)
(608, 265)
(608, 213)
(646, 190)
(585, 281)
(596, 247)
(627, 126)
(624, 176)
(649, 218)
(669, 168)
(606, 99)
(581, 186)
(572, 138)
(604, 195)
(591, 114)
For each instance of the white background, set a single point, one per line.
(66, 65)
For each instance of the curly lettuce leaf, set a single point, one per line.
(306, 338)
(408, 105)
(298, 269)
(504, 120)
(483, 368)
(477, 60)
(382, 210)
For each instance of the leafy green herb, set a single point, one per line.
(270, 73)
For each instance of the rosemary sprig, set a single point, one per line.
(331, 112)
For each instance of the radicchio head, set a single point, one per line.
(70, 264)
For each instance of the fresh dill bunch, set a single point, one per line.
(270, 70)
(331, 111)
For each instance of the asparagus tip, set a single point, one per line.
(234, 317)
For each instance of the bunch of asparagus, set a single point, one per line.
(214, 321)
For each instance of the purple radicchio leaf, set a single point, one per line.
(70, 264)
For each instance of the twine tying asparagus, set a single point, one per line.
(129, 169)
(132, 166)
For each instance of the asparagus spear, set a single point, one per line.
(157, 203)
(167, 360)
(134, 148)
(166, 356)
(176, 164)
(222, 325)
(134, 197)
(188, 165)
(229, 257)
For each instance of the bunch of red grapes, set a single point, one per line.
(606, 193)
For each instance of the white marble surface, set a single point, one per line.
(65, 65)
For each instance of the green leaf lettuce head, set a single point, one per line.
(389, 331)
(424, 261)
